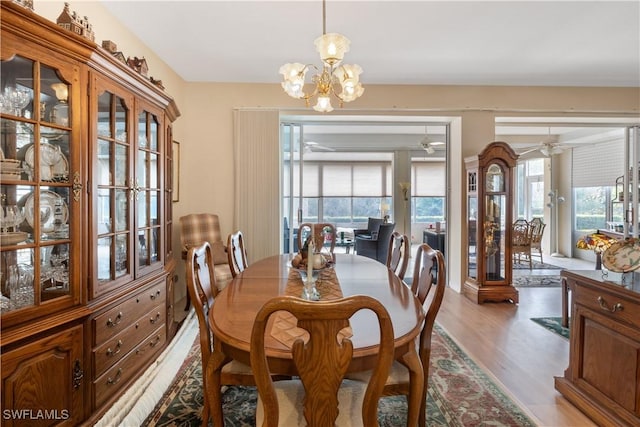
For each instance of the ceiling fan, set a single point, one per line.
(312, 146)
(547, 147)
(429, 145)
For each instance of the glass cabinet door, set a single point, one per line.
(495, 224)
(147, 193)
(112, 177)
(472, 233)
(38, 203)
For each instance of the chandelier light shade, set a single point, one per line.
(333, 79)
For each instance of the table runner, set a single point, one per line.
(284, 327)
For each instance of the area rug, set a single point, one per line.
(459, 394)
(536, 266)
(537, 281)
(553, 324)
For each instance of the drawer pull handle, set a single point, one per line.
(118, 348)
(112, 323)
(116, 379)
(603, 305)
(155, 319)
(154, 342)
(154, 296)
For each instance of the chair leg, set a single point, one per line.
(205, 413)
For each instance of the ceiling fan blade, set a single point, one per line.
(529, 150)
(311, 146)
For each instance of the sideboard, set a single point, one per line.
(604, 356)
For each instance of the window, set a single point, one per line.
(591, 207)
(530, 197)
(428, 192)
(342, 192)
(594, 172)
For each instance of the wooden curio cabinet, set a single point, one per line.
(490, 187)
(86, 265)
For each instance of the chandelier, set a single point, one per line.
(334, 79)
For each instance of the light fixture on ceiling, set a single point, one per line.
(335, 78)
(428, 144)
(549, 148)
(425, 143)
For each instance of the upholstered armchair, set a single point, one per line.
(287, 231)
(378, 247)
(195, 229)
(373, 224)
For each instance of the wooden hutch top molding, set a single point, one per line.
(33, 27)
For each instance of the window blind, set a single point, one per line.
(429, 179)
(598, 165)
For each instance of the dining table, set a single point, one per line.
(233, 312)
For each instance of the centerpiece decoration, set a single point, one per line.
(309, 265)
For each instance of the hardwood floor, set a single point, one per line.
(521, 355)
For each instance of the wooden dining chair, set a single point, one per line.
(321, 396)
(398, 255)
(324, 233)
(537, 230)
(521, 242)
(237, 253)
(429, 282)
(202, 290)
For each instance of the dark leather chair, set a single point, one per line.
(376, 248)
(373, 224)
(288, 230)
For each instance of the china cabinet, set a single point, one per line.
(87, 269)
(490, 187)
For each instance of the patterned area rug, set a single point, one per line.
(536, 266)
(459, 394)
(553, 324)
(537, 281)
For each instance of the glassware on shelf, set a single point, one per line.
(16, 100)
(49, 157)
(20, 286)
(11, 217)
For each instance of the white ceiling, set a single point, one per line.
(558, 43)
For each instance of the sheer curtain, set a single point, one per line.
(256, 158)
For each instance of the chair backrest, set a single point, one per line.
(373, 224)
(429, 283)
(324, 234)
(323, 359)
(201, 285)
(196, 229)
(537, 229)
(398, 256)
(520, 235)
(384, 236)
(237, 253)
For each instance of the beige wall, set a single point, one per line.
(205, 129)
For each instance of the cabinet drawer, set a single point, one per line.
(129, 367)
(606, 303)
(117, 319)
(115, 348)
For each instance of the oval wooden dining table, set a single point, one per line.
(235, 307)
